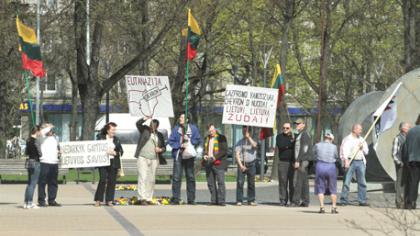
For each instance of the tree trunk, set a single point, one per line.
(74, 105)
(90, 110)
(322, 98)
(144, 9)
(409, 15)
(282, 115)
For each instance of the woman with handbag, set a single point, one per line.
(150, 147)
(108, 174)
(33, 150)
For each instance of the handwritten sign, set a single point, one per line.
(82, 154)
(252, 106)
(149, 96)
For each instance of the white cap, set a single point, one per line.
(329, 135)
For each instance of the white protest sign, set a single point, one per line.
(149, 96)
(82, 154)
(251, 106)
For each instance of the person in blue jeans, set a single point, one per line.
(184, 140)
(246, 155)
(33, 151)
(352, 152)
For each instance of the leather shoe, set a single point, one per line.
(54, 204)
(42, 204)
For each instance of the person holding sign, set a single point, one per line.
(352, 152)
(214, 160)
(150, 147)
(49, 167)
(246, 156)
(108, 174)
(184, 140)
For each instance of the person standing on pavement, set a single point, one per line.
(285, 150)
(326, 155)
(108, 174)
(33, 151)
(397, 145)
(184, 140)
(215, 163)
(246, 157)
(150, 147)
(49, 168)
(303, 154)
(411, 155)
(354, 146)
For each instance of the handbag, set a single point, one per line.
(189, 151)
(30, 163)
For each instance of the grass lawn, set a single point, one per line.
(86, 176)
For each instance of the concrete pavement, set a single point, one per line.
(78, 216)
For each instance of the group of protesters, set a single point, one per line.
(295, 154)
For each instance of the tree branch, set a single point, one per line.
(142, 55)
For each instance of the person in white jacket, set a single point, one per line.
(49, 167)
(352, 152)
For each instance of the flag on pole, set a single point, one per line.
(30, 50)
(193, 37)
(276, 82)
(386, 115)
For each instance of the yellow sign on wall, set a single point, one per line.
(23, 106)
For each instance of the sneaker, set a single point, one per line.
(25, 206)
(222, 204)
(334, 210)
(54, 204)
(363, 204)
(252, 203)
(32, 206)
(191, 203)
(321, 210)
(239, 203)
(42, 204)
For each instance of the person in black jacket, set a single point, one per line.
(150, 147)
(108, 174)
(33, 150)
(302, 154)
(215, 162)
(285, 148)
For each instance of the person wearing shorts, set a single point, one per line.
(326, 155)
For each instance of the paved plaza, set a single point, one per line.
(78, 216)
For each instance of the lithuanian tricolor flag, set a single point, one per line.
(193, 39)
(30, 49)
(276, 82)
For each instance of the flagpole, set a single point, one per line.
(186, 77)
(38, 35)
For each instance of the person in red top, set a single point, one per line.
(214, 160)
